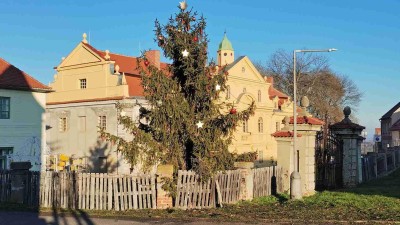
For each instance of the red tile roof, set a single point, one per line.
(272, 92)
(129, 66)
(307, 120)
(13, 78)
(101, 54)
(284, 134)
(134, 83)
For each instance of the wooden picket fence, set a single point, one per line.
(97, 191)
(224, 187)
(5, 186)
(193, 193)
(229, 185)
(30, 184)
(262, 178)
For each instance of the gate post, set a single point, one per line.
(350, 134)
(164, 200)
(19, 181)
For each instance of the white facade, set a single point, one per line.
(22, 135)
(78, 136)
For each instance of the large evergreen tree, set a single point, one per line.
(186, 124)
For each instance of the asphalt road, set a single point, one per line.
(29, 218)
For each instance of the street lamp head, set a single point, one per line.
(332, 49)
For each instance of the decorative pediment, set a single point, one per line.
(244, 69)
(81, 55)
(102, 111)
(63, 113)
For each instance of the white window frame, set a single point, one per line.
(246, 126)
(4, 152)
(260, 125)
(228, 92)
(83, 83)
(63, 124)
(102, 122)
(5, 107)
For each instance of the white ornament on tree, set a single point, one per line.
(183, 5)
(199, 124)
(217, 87)
(185, 53)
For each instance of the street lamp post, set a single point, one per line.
(295, 186)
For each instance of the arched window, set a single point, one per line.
(228, 92)
(245, 126)
(260, 125)
(259, 96)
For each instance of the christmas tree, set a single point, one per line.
(187, 124)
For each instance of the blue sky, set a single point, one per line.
(34, 35)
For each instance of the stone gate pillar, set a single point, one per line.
(350, 134)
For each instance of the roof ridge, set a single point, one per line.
(117, 54)
(45, 87)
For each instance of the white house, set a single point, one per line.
(22, 117)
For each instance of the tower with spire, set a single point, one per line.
(225, 53)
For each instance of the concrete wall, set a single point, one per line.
(25, 130)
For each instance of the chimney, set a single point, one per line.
(154, 57)
(270, 80)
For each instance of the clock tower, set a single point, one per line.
(225, 53)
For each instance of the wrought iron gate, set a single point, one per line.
(328, 161)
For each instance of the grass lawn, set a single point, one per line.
(374, 201)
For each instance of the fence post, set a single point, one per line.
(164, 200)
(247, 180)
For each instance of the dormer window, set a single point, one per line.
(243, 69)
(82, 83)
(259, 96)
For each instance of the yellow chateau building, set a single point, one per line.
(88, 83)
(244, 85)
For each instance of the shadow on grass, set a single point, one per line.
(388, 186)
(282, 198)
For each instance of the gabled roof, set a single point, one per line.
(395, 126)
(127, 64)
(390, 112)
(284, 134)
(235, 62)
(272, 92)
(307, 120)
(13, 78)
